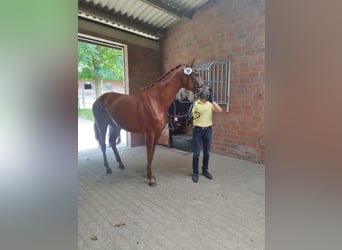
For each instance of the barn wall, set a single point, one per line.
(229, 30)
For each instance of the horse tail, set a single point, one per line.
(97, 136)
(101, 120)
(118, 141)
(96, 119)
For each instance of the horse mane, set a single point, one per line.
(163, 76)
(166, 74)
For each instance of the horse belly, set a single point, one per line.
(125, 117)
(138, 120)
(127, 123)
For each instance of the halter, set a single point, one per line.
(198, 88)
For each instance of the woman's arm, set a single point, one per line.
(217, 107)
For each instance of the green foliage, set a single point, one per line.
(86, 113)
(98, 62)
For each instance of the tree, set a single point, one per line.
(99, 63)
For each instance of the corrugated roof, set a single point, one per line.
(148, 18)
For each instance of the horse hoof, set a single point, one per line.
(122, 166)
(152, 182)
(109, 171)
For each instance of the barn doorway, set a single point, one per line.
(102, 68)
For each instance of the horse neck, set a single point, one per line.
(169, 89)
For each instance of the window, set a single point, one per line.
(87, 86)
(217, 74)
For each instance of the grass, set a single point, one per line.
(86, 113)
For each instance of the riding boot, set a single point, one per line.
(206, 173)
(195, 177)
(195, 173)
(195, 168)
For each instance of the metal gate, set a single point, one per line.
(217, 74)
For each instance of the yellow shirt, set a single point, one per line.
(202, 113)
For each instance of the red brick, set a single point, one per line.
(253, 74)
(260, 67)
(260, 62)
(257, 107)
(236, 48)
(243, 76)
(244, 64)
(244, 69)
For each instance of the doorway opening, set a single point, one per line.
(101, 69)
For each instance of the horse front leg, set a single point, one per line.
(150, 147)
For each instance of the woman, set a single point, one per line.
(202, 112)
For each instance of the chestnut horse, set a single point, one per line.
(145, 111)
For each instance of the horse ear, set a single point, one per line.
(192, 62)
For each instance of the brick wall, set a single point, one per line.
(143, 69)
(143, 65)
(223, 30)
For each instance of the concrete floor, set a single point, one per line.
(123, 212)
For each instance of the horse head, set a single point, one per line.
(197, 85)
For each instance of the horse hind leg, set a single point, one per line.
(114, 138)
(100, 133)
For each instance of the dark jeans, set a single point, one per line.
(201, 136)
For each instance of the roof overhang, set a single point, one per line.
(147, 18)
